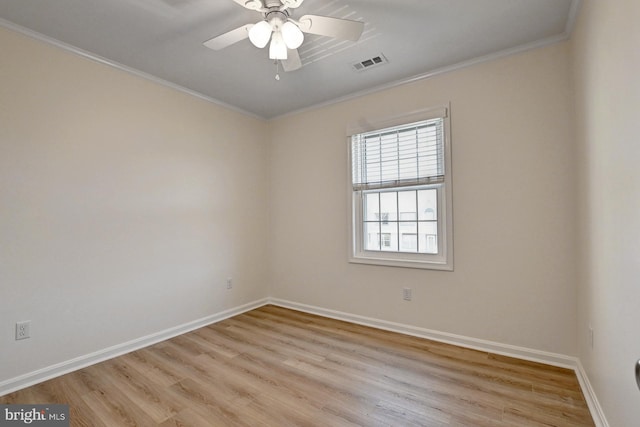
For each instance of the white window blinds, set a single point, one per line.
(411, 154)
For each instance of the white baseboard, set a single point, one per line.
(590, 396)
(459, 340)
(31, 378)
(553, 359)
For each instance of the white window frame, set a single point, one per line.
(444, 259)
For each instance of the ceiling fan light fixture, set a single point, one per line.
(277, 48)
(292, 35)
(260, 33)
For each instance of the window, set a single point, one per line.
(401, 193)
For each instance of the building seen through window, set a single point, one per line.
(401, 221)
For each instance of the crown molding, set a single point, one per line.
(569, 26)
(130, 70)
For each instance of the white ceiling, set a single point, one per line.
(163, 39)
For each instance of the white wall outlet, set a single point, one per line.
(23, 330)
(591, 336)
(406, 294)
(229, 283)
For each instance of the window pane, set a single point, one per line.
(408, 242)
(371, 207)
(390, 231)
(372, 236)
(385, 241)
(401, 221)
(428, 204)
(409, 236)
(407, 205)
(428, 237)
(389, 206)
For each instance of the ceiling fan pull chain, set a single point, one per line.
(277, 70)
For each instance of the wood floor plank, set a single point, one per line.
(278, 367)
(186, 418)
(140, 390)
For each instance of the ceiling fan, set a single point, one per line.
(285, 33)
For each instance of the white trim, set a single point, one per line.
(373, 124)
(573, 13)
(444, 259)
(574, 10)
(432, 73)
(80, 362)
(104, 61)
(590, 396)
(553, 359)
(399, 262)
(532, 355)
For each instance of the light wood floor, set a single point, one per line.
(277, 367)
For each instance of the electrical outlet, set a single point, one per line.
(23, 330)
(591, 336)
(229, 283)
(406, 294)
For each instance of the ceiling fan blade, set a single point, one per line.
(291, 4)
(251, 4)
(332, 27)
(292, 62)
(228, 38)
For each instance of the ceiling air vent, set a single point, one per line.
(367, 64)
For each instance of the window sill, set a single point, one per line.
(403, 263)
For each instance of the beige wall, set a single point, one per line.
(125, 205)
(123, 208)
(513, 204)
(606, 69)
